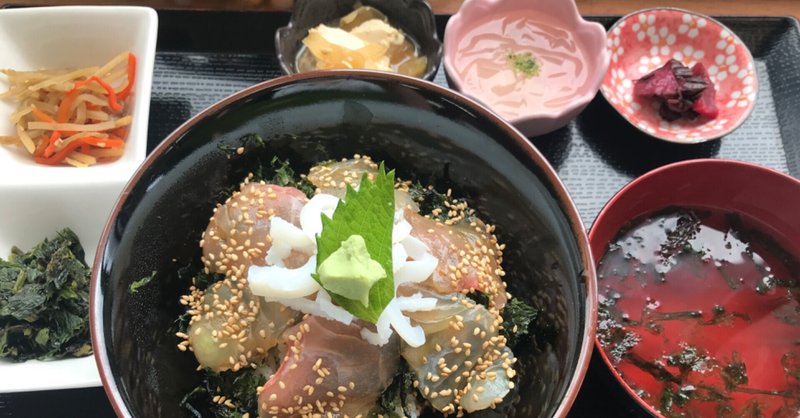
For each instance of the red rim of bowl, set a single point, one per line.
(706, 138)
(532, 153)
(604, 213)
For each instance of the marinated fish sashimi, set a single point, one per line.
(469, 257)
(230, 328)
(328, 369)
(464, 364)
(237, 235)
(334, 177)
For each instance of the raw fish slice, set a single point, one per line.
(332, 178)
(223, 338)
(474, 270)
(237, 235)
(329, 368)
(463, 345)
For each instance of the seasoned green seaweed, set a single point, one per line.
(44, 301)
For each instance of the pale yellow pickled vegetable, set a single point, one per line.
(365, 39)
(359, 16)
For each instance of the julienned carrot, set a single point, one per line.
(123, 94)
(63, 109)
(59, 156)
(62, 114)
(41, 116)
(40, 147)
(55, 121)
(120, 132)
(112, 95)
(51, 144)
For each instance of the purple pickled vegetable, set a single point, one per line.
(682, 91)
(659, 83)
(706, 103)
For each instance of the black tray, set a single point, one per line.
(203, 57)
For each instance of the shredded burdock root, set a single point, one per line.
(72, 116)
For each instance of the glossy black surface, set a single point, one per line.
(413, 17)
(205, 56)
(421, 134)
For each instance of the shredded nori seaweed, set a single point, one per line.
(250, 153)
(394, 401)
(240, 387)
(138, 284)
(281, 173)
(517, 319)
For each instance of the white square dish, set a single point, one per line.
(36, 201)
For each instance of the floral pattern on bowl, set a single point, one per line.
(645, 40)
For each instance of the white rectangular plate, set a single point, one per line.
(38, 201)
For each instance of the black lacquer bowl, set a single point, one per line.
(425, 132)
(414, 17)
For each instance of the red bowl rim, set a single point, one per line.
(607, 209)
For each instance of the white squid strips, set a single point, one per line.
(311, 214)
(401, 229)
(415, 271)
(285, 238)
(399, 257)
(383, 331)
(281, 283)
(419, 268)
(334, 312)
(392, 317)
(422, 263)
(405, 271)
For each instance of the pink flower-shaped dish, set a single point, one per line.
(536, 63)
(646, 40)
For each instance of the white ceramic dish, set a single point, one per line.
(37, 201)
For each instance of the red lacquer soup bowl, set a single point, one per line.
(699, 290)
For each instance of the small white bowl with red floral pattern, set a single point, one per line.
(643, 41)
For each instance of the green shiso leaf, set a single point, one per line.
(368, 212)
